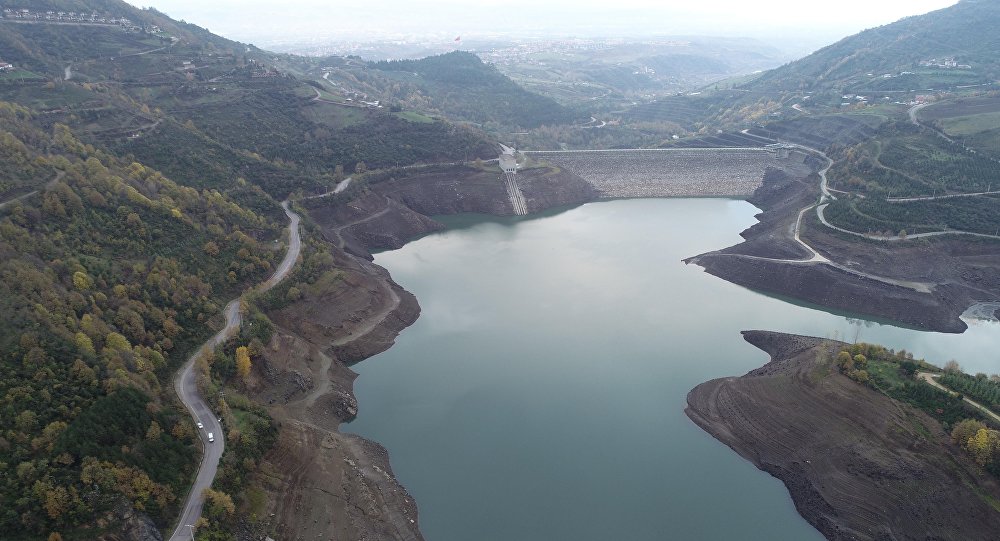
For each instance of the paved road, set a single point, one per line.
(341, 186)
(936, 197)
(822, 218)
(913, 112)
(932, 379)
(186, 386)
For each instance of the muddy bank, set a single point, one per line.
(320, 483)
(857, 464)
(830, 288)
(958, 271)
(391, 211)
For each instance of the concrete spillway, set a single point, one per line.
(517, 201)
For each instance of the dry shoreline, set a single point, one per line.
(324, 483)
(857, 464)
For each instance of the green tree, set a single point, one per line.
(84, 344)
(154, 432)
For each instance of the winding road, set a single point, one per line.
(340, 187)
(932, 380)
(186, 386)
(889, 238)
(816, 258)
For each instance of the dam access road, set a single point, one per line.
(187, 389)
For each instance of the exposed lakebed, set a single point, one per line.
(541, 393)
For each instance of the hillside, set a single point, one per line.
(141, 165)
(207, 110)
(862, 461)
(111, 273)
(964, 33)
(462, 86)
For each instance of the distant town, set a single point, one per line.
(72, 17)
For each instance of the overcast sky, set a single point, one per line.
(270, 21)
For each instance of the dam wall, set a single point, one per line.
(689, 172)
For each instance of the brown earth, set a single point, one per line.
(858, 464)
(323, 484)
(320, 483)
(963, 271)
(391, 212)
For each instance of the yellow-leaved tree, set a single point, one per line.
(243, 362)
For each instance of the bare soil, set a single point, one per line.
(392, 212)
(858, 464)
(963, 271)
(320, 483)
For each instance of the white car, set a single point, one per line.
(200, 426)
(211, 437)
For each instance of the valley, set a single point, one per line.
(150, 168)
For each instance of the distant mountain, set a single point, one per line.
(951, 46)
(951, 49)
(460, 85)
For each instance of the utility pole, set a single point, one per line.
(192, 531)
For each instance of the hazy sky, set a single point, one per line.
(269, 21)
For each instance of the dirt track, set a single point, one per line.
(323, 484)
(858, 465)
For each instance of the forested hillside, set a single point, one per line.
(461, 84)
(110, 272)
(965, 32)
(140, 169)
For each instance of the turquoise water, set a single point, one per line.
(540, 396)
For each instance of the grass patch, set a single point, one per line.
(988, 498)
(413, 116)
(334, 116)
(19, 75)
(970, 124)
(886, 373)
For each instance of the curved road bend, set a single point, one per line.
(932, 379)
(187, 389)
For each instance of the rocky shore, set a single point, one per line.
(858, 465)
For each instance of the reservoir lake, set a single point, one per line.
(541, 393)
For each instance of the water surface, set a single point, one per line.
(540, 395)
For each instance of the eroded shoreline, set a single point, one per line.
(361, 315)
(857, 464)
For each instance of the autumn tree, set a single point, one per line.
(243, 362)
(983, 445)
(965, 430)
(219, 503)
